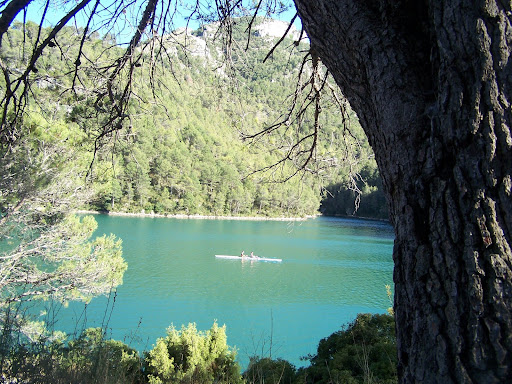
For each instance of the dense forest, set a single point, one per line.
(185, 146)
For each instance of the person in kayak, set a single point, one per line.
(242, 255)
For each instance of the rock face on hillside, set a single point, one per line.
(188, 39)
(266, 28)
(196, 40)
(275, 28)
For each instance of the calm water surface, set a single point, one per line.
(332, 270)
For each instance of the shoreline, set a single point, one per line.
(357, 217)
(193, 217)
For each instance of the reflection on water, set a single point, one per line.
(332, 269)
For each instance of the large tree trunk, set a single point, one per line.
(431, 82)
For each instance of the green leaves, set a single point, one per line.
(179, 150)
(63, 263)
(363, 351)
(191, 356)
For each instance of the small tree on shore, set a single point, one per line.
(190, 356)
(46, 253)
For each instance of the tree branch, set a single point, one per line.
(9, 13)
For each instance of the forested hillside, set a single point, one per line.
(182, 149)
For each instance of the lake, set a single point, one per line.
(332, 270)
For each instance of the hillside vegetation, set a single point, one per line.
(181, 150)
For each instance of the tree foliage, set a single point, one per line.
(46, 253)
(270, 371)
(90, 358)
(180, 150)
(361, 352)
(63, 264)
(365, 190)
(189, 356)
(364, 351)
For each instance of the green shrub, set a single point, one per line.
(94, 359)
(191, 356)
(88, 359)
(268, 371)
(362, 352)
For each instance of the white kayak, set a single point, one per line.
(248, 258)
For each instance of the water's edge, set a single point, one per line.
(192, 217)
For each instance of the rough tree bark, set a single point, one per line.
(431, 82)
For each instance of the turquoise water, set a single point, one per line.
(332, 270)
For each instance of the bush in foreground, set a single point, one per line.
(268, 371)
(191, 356)
(363, 351)
(88, 359)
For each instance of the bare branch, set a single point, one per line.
(7, 129)
(249, 26)
(9, 13)
(281, 39)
